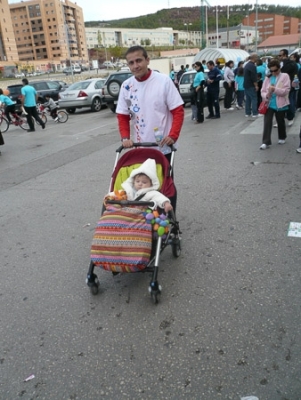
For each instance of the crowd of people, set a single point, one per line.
(276, 83)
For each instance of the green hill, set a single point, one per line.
(176, 17)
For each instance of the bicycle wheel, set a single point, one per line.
(4, 125)
(23, 124)
(62, 116)
(43, 118)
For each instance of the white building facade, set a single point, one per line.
(103, 36)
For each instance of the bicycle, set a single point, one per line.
(44, 111)
(18, 120)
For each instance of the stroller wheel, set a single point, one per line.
(176, 247)
(94, 289)
(155, 296)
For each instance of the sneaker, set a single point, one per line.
(215, 117)
(56, 119)
(298, 150)
(247, 116)
(281, 141)
(275, 125)
(230, 109)
(290, 123)
(263, 147)
(209, 116)
(239, 107)
(255, 116)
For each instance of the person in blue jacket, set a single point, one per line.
(214, 76)
(198, 91)
(9, 105)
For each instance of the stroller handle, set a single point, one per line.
(144, 144)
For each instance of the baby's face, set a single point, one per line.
(142, 182)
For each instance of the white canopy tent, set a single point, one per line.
(224, 55)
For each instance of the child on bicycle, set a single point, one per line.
(10, 106)
(52, 107)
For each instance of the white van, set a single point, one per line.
(187, 79)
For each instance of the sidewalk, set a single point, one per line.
(256, 126)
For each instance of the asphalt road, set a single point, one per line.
(228, 322)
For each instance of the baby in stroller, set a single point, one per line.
(143, 184)
(138, 221)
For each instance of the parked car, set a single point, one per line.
(87, 93)
(111, 88)
(107, 65)
(185, 83)
(43, 88)
(76, 70)
(63, 84)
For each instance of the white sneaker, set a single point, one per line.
(281, 141)
(298, 150)
(239, 108)
(230, 109)
(247, 116)
(255, 116)
(290, 123)
(56, 119)
(275, 125)
(263, 147)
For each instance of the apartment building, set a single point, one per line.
(273, 25)
(50, 30)
(8, 46)
(104, 36)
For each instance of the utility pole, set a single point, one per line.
(256, 26)
(203, 18)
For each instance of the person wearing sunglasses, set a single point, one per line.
(275, 91)
(289, 67)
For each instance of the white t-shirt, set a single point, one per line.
(149, 104)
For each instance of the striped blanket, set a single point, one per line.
(122, 240)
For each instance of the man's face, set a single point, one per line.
(210, 66)
(281, 55)
(138, 64)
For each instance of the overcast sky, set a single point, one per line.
(100, 10)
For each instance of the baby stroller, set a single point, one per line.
(115, 239)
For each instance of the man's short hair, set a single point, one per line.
(133, 49)
(25, 81)
(285, 52)
(210, 62)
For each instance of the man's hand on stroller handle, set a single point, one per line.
(127, 143)
(166, 141)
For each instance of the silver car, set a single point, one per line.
(87, 93)
(187, 79)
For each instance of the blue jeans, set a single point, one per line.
(240, 95)
(290, 114)
(251, 101)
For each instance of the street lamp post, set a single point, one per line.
(187, 24)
